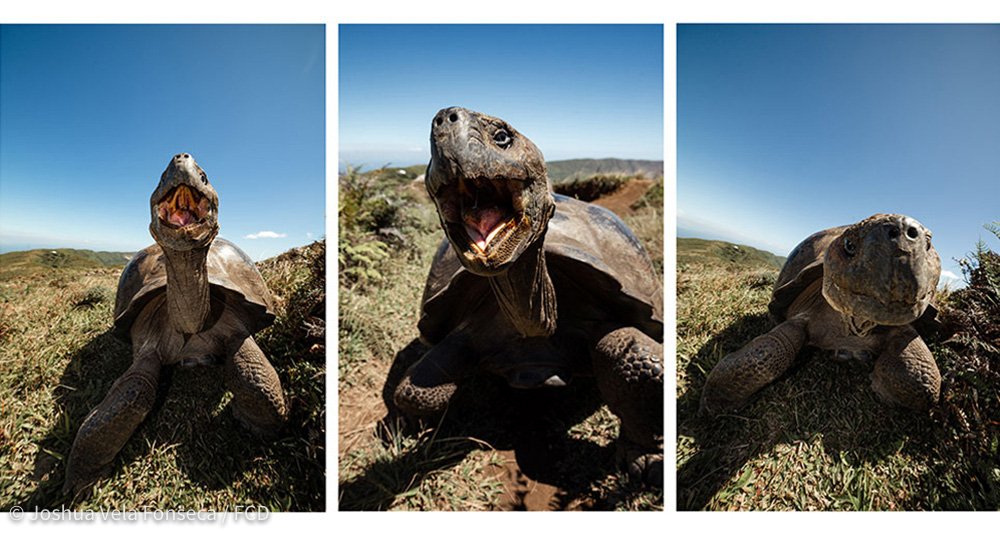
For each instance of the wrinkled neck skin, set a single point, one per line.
(188, 300)
(526, 294)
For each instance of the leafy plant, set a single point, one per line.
(360, 260)
(375, 214)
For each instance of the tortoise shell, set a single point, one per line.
(584, 242)
(803, 267)
(229, 270)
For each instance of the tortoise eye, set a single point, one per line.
(502, 138)
(849, 247)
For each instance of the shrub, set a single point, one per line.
(592, 188)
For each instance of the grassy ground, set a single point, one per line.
(726, 254)
(818, 439)
(496, 448)
(33, 262)
(60, 359)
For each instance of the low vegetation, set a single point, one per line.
(591, 188)
(496, 448)
(48, 261)
(725, 254)
(818, 438)
(60, 359)
(581, 169)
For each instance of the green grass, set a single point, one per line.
(818, 438)
(47, 261)
(465, 462)
(691, 251)
(60, 359)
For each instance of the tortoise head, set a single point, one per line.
(490, 187)
(184, 208)
(882, 270)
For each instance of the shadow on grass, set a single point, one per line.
(487, 414)
(212, 450)
(84, 382)
(816, 398)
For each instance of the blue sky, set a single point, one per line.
(787, 129)
(90, 116)
(575, 90)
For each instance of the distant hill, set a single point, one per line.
(14, 264)
(722, 252)
(570, 169)
(560, 171)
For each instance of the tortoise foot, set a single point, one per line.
(640, 463)
(423, 380)
(79, 481)
(742, 373)
(258, 399)
(629, 370)
(905, 373)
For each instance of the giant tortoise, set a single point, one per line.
(854, 292)
(189, 299)
(532, 286)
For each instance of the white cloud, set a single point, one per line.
(266, 235)
(950, 281)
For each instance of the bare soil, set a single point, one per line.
(621, 201)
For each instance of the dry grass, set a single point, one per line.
(60, 359)
(818, 438)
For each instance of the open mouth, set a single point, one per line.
(182, 207)
(488, 210)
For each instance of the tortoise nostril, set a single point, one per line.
(912, 233)
(453, 117)
(893, 232)
(439, 121)
(186, 156)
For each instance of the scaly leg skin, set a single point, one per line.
(628, 366)
(429, 384)
(905, 373)
(108, 427)
(740, 374)
(404, 359)
(258, 401)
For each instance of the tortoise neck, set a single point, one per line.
(526, 294)
(188, 301)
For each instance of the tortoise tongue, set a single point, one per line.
(181, 218)
(481, 224)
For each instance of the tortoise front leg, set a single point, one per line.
(106, 429)
(628, 366)
(429, 384)
(258, 400)
(905, 372)
(740, 374)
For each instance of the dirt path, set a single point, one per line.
(621, 200)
